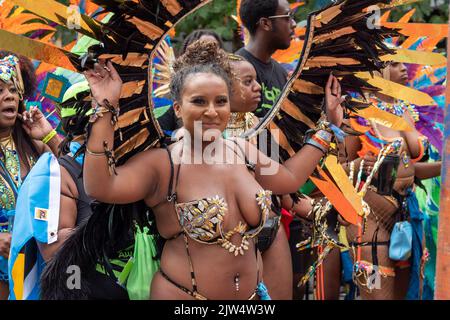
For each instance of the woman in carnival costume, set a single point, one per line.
(228, 222)
(128, 47)
(273, 241)
(24, 135)
(390, 201)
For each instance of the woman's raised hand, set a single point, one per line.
(35, 124)
(105, 83)
(333, 100)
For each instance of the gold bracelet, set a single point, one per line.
(96, 154)
(109, 154)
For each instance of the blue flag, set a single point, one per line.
(36, 219)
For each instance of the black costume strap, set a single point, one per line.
(250, 165)
(194, 293)
(191, 266)
(171, 196)
(375, 247)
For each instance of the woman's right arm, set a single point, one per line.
(427, 170)
(134, 180)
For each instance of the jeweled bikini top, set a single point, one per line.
(202, 220)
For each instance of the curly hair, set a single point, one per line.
(28, 73)
(251, 11)
(200, 57)
(196, 35)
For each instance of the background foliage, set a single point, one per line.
(217, 16)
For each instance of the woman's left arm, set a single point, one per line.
(38, 128)
(292, 174)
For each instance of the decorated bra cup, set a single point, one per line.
(202, 220)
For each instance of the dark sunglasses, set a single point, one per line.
(290, 15)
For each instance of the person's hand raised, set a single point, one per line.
(35, 124)
(333, 100)
(105, 83)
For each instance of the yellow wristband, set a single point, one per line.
(49, 136)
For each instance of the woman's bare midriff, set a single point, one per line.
(214, 267)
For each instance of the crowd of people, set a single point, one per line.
(221, 227)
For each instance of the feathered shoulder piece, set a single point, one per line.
(129, 39)
(339, 39)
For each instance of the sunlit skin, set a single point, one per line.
(205, 97)
(246, 91)
(398, 73)
(283, 28)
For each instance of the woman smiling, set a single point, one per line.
(210, 213)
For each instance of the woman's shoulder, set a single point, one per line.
(156, 158)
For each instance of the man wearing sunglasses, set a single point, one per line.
(271, 27)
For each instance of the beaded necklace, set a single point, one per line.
(399, 108)
(10, 159)
(10, 165)
(238, 124)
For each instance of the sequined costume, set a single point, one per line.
(202, 221)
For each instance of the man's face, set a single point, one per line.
(283, 26)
